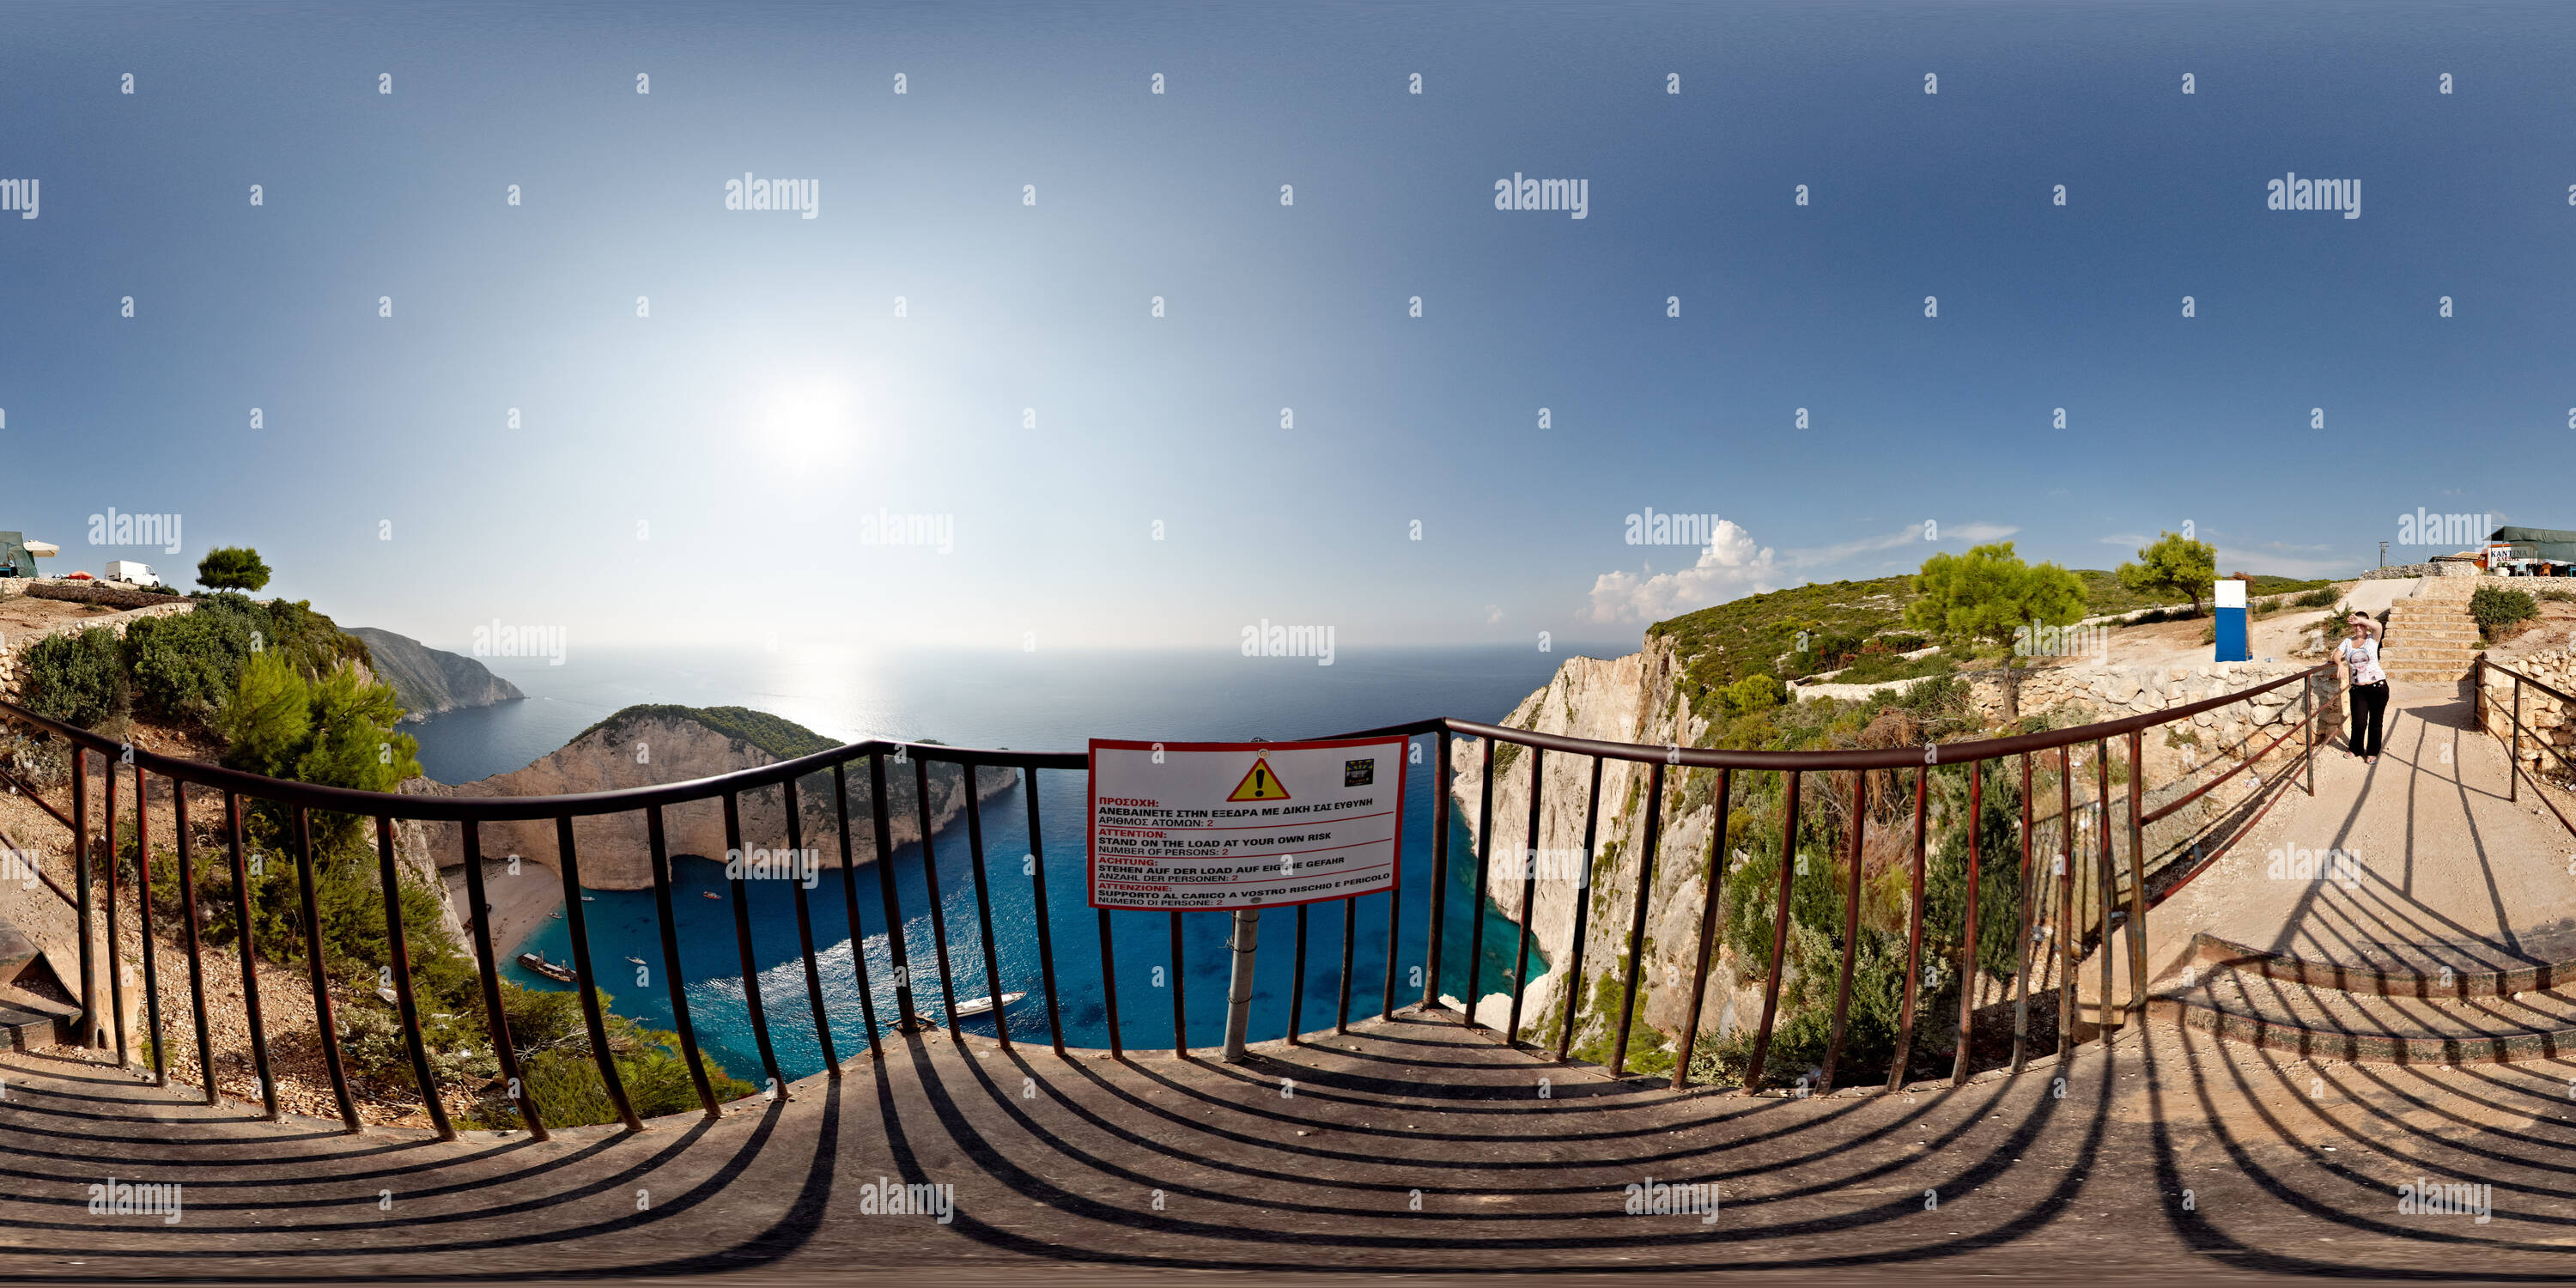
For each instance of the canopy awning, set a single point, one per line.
(43, 549)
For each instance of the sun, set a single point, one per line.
(812, 423)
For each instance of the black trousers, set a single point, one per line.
(2369, 703)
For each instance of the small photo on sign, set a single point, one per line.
(1359, 773)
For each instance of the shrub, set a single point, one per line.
(2557, 596)
(1752, 693)
(2321, 597)
(184, 668)
(77, 678)
(2495, 608)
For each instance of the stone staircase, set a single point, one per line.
(2431, 638)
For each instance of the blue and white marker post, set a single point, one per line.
(2233, 645)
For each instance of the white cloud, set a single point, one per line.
(2271, 558)
(1732, 567)
(2129, 539)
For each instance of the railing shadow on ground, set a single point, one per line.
(1296, 1148)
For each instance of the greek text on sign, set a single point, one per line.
(1181, 826)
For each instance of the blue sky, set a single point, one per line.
(703, 474)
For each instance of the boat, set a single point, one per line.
(557, 914)
(974, 1006)
(559, 973)
(709, 894)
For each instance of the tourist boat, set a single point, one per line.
(537, 962)
(974, 1006)
(710, 894)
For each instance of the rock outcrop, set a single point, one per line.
(645, 746)
(430, 681)
(1639, 699)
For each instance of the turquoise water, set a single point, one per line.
(1126, 696)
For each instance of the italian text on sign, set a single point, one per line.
(1182, 826)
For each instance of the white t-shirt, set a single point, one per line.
(2364, 659)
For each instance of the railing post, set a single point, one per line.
(196, 957)
(758, 1011)
(143, 919)
(1484, 870)
(1439, 875)
(938, 902)
(1968, 939)
(115, 949)
(1913, 944)
(1297, 976)
(850, 902)
(2102, 872)
(81, 885)
(478, 916)
(398, 949)
(675, 982)
(323, 1018)
(2512, 761)
(250, 952)
(1109, 987)
(1350, 939)
(805, 924)
(1710, 887)
(1529, 879)
(993, 988)
(1851, 929)
(1779, 936)
(1243, 944)
(2030, 895)
(597, 1022)
(1582, 914)
(2308, 730)
(2137, 879)
(1046, 937)
(906, 1020)
(1636, 916)
(1180, 995)
(2065, 905)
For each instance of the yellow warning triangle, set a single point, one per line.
(1259, 784)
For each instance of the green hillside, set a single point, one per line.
(1758, 635)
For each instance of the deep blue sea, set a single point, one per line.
(1046, 701)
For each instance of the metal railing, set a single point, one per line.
(2514, 774)
(300, 802)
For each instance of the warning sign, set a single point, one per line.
(1259, 784)
(1199, 825)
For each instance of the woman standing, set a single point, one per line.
(2357, 663)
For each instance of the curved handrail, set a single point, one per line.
(459, 809)
(473, 811)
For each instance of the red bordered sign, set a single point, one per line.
(1186, 826)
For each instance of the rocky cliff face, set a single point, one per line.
(430, 680)
(1638, 699)
(1628, 699)
(647, 746)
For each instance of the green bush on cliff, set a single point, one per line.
(77, 677)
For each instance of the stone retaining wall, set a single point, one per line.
(2548, 719)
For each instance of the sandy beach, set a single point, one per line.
(520, 904)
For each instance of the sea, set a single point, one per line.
(1054, 701)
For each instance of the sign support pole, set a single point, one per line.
(1238, 997)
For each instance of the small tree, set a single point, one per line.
(232, 568)
(2174, 565)
(1989, 592)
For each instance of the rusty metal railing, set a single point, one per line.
(2513, 752)
(300, 802)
